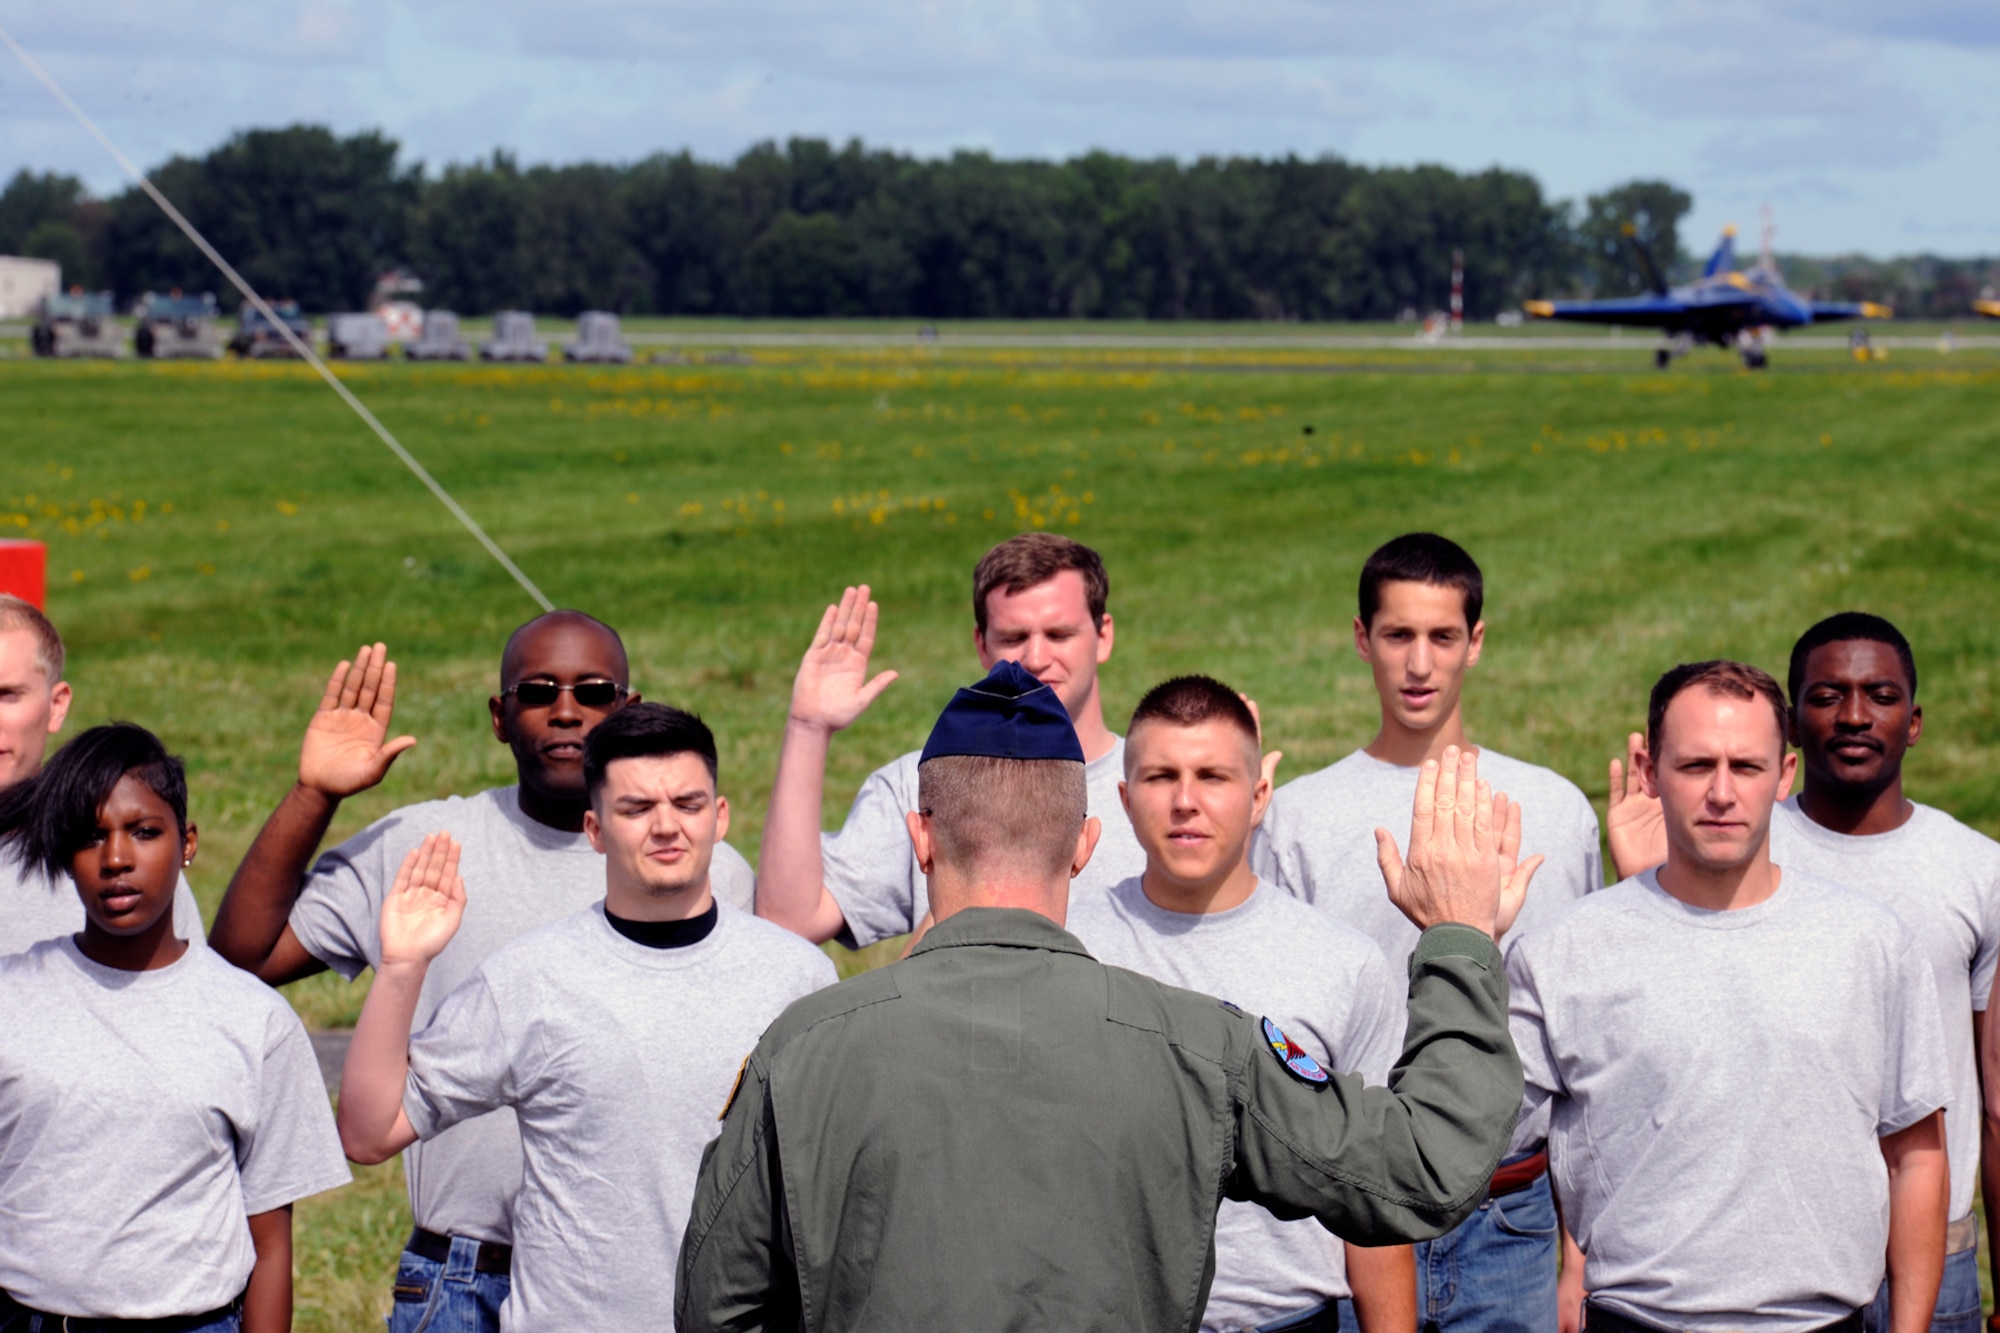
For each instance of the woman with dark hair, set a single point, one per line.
(122, 1041)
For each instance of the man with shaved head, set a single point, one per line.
(526, 862)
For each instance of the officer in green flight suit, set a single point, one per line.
(1000, 1132)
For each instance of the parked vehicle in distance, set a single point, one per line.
(514, 339)
(362, 336)
(438, 339)
(259, 338)
(177, 326)
(598, 339)
(76, 324)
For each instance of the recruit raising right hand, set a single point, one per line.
(1463, 845)
(1634, 824)
(344, 750)
(425, 904)
(832, 688)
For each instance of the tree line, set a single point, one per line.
(809, 228)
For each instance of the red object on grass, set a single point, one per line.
(24, 571)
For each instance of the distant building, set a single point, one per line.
(23, 284)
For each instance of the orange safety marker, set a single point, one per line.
(24, 571)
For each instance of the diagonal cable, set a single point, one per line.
(298, 345)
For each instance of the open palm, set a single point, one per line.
(833, 687)
(425, 904)
(345, 749)
(1634, 824)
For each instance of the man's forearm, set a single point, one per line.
(1919, 1197)
(267, 1301)
(791, 876)
(258, 905)
(372, 1125)
(1383, 1279)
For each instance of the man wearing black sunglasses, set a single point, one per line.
(526, 862)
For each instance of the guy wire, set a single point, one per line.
(298, 345)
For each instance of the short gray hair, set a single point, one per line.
(1021, 814)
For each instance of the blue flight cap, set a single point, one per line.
(1009, 715)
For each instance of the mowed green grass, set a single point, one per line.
(220, 535)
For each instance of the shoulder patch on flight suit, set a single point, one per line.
(1296, 1060)
(735, 1088)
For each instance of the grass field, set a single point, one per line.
(219, 535)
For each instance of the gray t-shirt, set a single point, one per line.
(519, 875)
(618, 1060)
(144, 1116)
(1717, 1085)
(1318, 841)
(872, 872)
(33, 909)
(1331, 991)
(1943, 880)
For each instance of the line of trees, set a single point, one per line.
(808, 228)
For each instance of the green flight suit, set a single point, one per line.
(1000, 1132)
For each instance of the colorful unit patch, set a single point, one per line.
(1296, 1060)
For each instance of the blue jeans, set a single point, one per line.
(447, 1297)
(1495, 1272)
(1957, 1308)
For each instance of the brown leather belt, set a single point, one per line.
(1513, 1177)
(493, 1257)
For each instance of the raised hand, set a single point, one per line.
(425, 904)
(1454, 871)
(345, 751)
(1633, 822)
(833, 688)
(1515, 874)
(1268, 769)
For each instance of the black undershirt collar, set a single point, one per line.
(665, 934)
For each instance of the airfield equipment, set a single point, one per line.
(174, 326)
(598, 339)
(259, 338)
(357, 337)
(76, 325)
(514, 339)
(1724, 306)
(437, 339)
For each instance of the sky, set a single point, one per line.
(1863, 126)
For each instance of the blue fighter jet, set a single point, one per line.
(1726, 306)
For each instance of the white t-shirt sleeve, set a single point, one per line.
(335, 915)
(293, 1150)
(1987, 950)
(1593, 855)
(463, 1064)
(1916, 1077)
(867, 866)
(731, 878)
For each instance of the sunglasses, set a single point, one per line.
(587, 693)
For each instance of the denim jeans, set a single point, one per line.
(1957, 1309)
(447, 1297)
(1495, 1272)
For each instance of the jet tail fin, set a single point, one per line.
(1724, 258)
(1655, 284)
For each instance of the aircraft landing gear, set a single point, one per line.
(1755, 359)
(1662, 358)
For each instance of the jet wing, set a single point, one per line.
(1824, 311)
(1990, 309)
(1646, 312)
